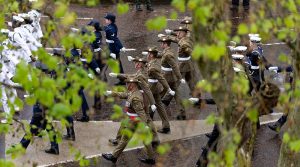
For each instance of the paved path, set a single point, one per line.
(92, 139)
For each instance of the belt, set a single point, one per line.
(166, 69)
(131, 114)
(6, 61)
(110, 41)
(81, 59)
(152, 80)
(184, 58)
(97, 50)
(254, 67)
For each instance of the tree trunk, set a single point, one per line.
(289, 158)
(2, 146)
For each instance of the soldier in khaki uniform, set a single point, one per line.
(134, 109)
(158, 84)
(149, 101)
(185, 48)
(172, 74)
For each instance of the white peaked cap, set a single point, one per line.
(23, 15)
(253, 35)
(255, 39)
(5, 31)
(237, 56)
(240, 48)
(18, 18)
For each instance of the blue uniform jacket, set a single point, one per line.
(93, 64)
(98, 41)
(114, 44)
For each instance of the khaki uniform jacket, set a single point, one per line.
(185, 48)
(142, 76)
(156, 80)
(134, 103)
(169, 61)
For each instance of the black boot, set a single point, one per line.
(181, 117)
(138, 8)
(113, 142)
(70, 134)
(109, 157)
(208, 135)
(84, 119)
(155, 144)
(147, 161)
(149, 8)
(53, 150)
(275, 127)
(164, 130)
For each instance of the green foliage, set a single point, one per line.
(179, 4)
(163, 149)
(118, 113)
(252, 115)
(6, 163)
(15, 151)
(158, 23)
(122, 8)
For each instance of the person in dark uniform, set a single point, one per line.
(138, 5)
(114, 44)
(235, 4)
(84, 106)
(38, 122)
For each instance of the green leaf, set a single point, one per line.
(295, 145)
(113, 65)
(173, 15)
(242, 29)
(122, 8)
(61, 9)
(163, 149)
(179, 4)
(286, 138)
(253, 115)
(157, 23)
(60, 111)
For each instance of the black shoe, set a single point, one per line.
(164, 130)
(208, 135)
(138, 8)
(54, 151)
(84, 119)
(147, 161)
(155, 144)
(275, 127)
(149, 8)
(113, 142)
(120, 83)
(69, 137)
(109, 157)
(181, 117)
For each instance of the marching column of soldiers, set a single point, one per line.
(153, 86)
(149, 90)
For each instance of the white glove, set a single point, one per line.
(123, 49)
(182, 81)
(161, 35)
(108, 92)
(194, 100)
(153, 108)
(144, 53)
(168, 31)
(90, 76)
(98, 70)
(113, 75)
(112, 55)
(9, 24)
(171, 92)
(130, 58)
